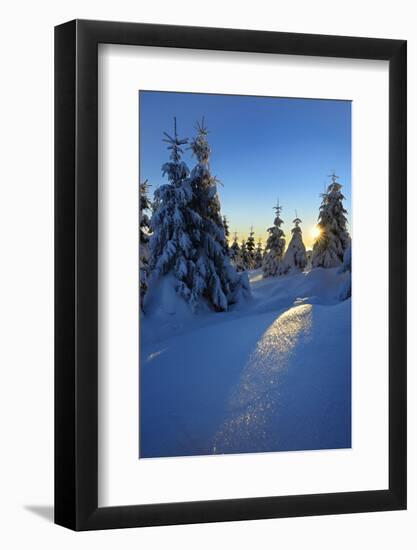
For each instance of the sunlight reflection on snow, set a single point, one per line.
(153, 355)
(256, 277)
(257, 394)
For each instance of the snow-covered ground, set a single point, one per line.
(272, 374)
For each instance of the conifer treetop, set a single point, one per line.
(175, 143)
(278, 209)
(199, 145)
(333, 176)
(295, 256)
(176, 170)
(201, 127)
(334, 185)
(275, 246)
(144, 185)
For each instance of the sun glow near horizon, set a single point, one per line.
(310, 236)
(315, 232)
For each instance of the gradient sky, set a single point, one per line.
(262, 148)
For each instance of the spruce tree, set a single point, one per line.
(250, 247)
(273, 264)
(144, 236)
(295, 257)
(174, 224)
(215, 279)
(259, 254)
(234, 252)
(330, 246)
(346, 267)
(244, 257)
(226, 234)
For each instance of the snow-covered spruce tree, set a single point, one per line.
(241, 258)
(215, 279)
(330, 246)
(273, 262)
(244, 256)
(234, 252)
(346, 290)
(347, 259)
(259, 254)
(174, 224)
(145, 206)
(295, 256)
(226, 234)
(250, 248)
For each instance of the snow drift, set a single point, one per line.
(271, 374)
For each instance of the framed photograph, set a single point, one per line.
(230, 255)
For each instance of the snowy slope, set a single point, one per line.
(272, 375)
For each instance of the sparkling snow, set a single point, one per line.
(272, 374)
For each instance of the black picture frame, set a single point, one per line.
(76, 272)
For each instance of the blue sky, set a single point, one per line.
(262, 148)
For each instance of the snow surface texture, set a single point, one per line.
(271, 374)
